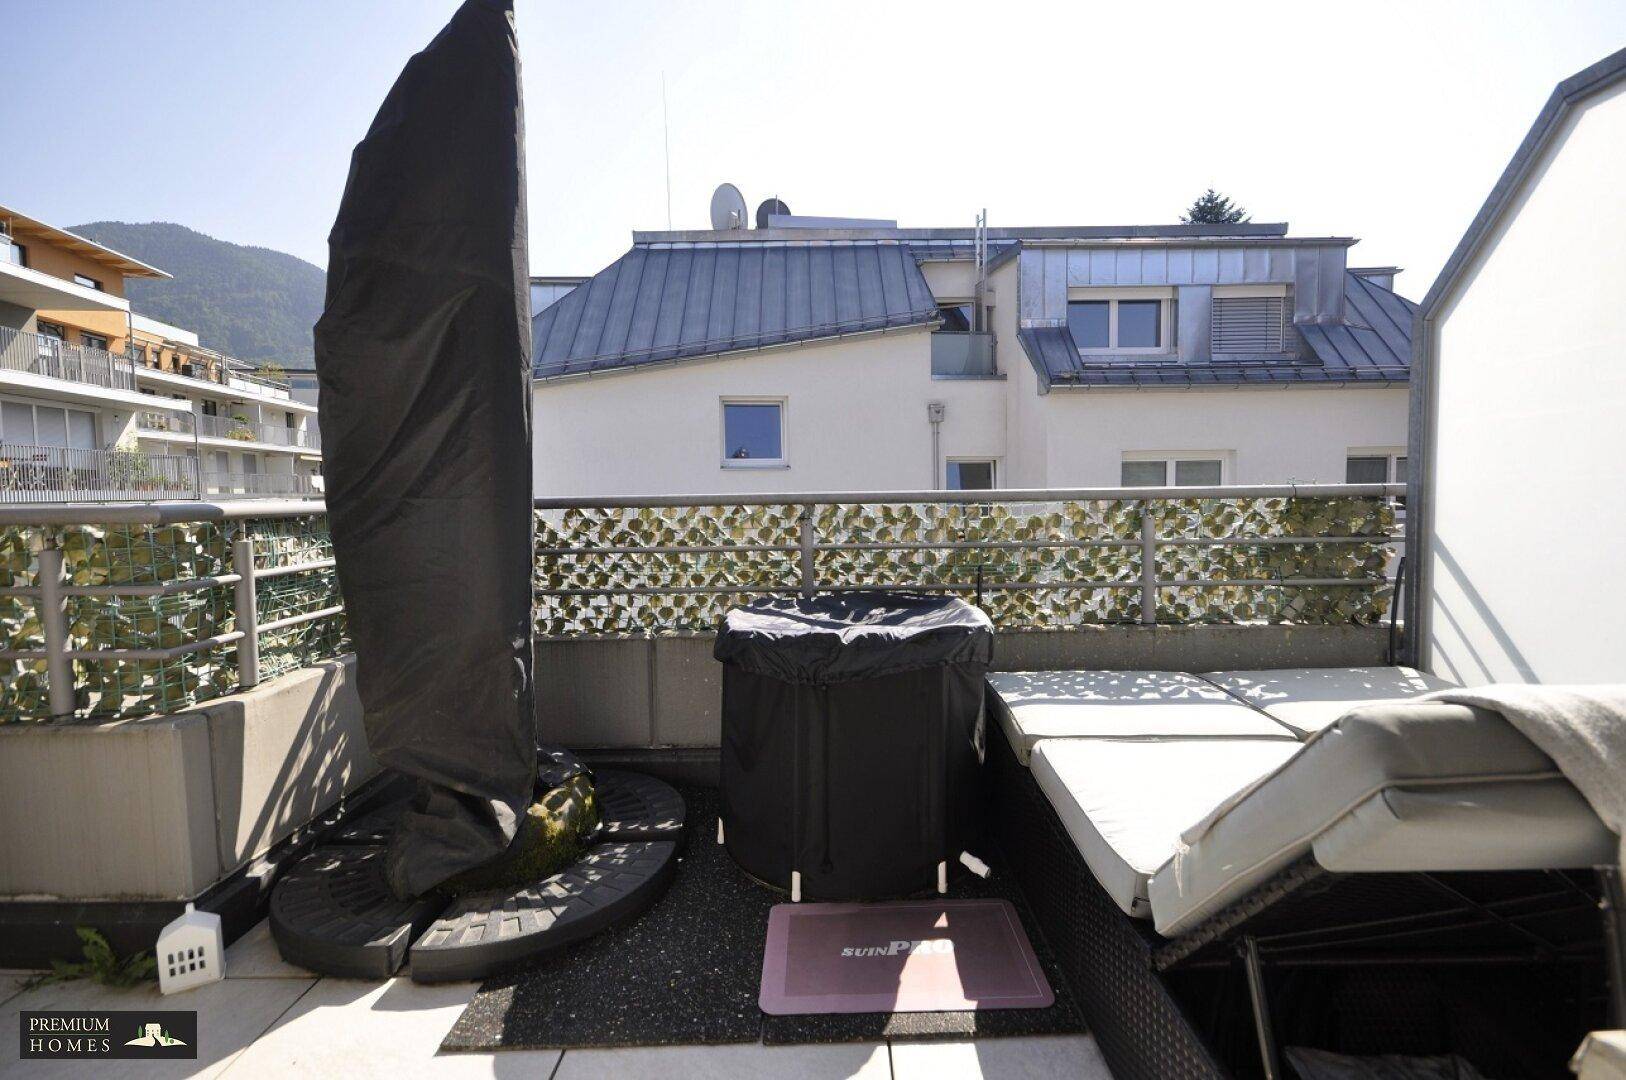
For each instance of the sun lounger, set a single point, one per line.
(1397, 837)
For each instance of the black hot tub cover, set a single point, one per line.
(843, 636)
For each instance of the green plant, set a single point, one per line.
(272, 371)
(241, 429)
(101, 964)
(127, 468)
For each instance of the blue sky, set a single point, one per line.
(1388, 122)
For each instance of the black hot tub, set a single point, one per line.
(852, 740)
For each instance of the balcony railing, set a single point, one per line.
(962, 355)
(225, 427)
(135, 610)
(259, 484)
(54, 474)
(214, 373)
(41, 354)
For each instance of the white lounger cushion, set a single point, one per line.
(1417, 746)
(1124, 802)
(1496, 825)
(1034, 705)
(1308, 699)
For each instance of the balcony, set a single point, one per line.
(226, 427)
(260, 485)
(110, 614)
(217, 374)
(54, 474)
(41, 354)
(960, 355)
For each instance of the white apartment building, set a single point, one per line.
(827, 354)
(100, 403)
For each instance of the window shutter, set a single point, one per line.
(1247, 324)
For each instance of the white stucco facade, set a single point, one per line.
(1525, 470)
(856, 420)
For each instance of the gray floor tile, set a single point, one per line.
(388, 1030)
(1040, 1058)
(738, 1062)
(255, 956)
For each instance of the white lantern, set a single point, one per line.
(191, 951)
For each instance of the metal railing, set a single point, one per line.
(963, 355)
(161, 630)
(259, 484)
(217, 371)
(33, 474)
(138, 610)
(41, 354)
(228, 427)
(1035, 559)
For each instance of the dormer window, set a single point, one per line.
(958, 316)
(1248, 319)
(1128, 321)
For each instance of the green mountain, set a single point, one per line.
(249, 302)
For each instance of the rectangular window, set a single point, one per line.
(958, 316)
(1246, 324)
(87, 282)
(16, 422)
(81, 430)
(1140, 324)
(51, 330)
(1375, 467)
(51, 426)
(970, 475)
(1119, 324)
(1091, 323)
(14, 253)
(92, 341)
(1172, 472)
(753, 434)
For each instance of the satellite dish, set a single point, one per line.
(769, 206)
(728, 208)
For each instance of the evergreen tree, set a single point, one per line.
(1212, 208)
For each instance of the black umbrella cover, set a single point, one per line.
(423, 354)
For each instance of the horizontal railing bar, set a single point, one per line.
(305, 617)
(704, 549)
(973, 545)
(1005, 495)
(165, 588)
(295, 568)
(1242, 541)
(122, 655)
(156, 513)
(1203, 583)
(180, 513)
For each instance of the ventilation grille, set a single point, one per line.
(1247, 324)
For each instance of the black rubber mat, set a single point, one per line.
(688, 972)
(371, 829)
(332, 913)
(635, 806)
(486, 932)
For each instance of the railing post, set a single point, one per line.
(809, 572)
(54, 621)
(248, 614)
(1148, 564)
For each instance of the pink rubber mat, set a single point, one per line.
(910, 956)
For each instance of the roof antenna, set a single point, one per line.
(666, 140)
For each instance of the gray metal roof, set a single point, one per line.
(1372, 344)
(670, 301)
